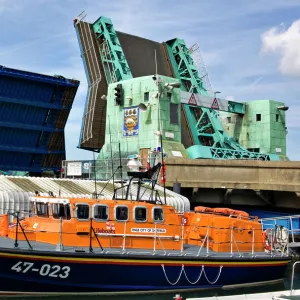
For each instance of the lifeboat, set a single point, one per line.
(50, 248)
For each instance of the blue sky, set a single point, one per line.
(251, 48)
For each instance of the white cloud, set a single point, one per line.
(286, 43)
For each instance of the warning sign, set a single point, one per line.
(215, 104)
(192, 100)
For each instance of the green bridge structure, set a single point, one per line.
(140, 90)
(161, 88)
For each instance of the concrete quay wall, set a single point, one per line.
(234, 174)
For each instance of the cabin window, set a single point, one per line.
(82, 211)
(42, 209)
(158, 214)
(100, 212)
(60, 210)
(121, 213)
(140, 214)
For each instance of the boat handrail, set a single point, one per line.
(292, 277)
(280, 218)
(234, 228)
(204, 243)
(275, 220)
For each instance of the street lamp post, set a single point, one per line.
(217, 92)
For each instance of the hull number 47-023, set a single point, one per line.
(55, 271)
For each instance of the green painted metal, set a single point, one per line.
(184, 67)
(221, 153)
(236, 107)
(155, 118)
(205, 124)
(113, 58)
(263, 127)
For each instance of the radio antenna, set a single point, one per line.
(155, 58)
(111, 155)
(95, 175)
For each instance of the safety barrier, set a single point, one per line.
(203, 249)
(291, 223)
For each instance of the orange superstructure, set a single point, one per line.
(137, 225)
(139, 222)
(224, 230)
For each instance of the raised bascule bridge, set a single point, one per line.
(218, 151)
(34, 109)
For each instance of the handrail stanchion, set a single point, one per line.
(60, 246)
(287, 245)
(231, 240)
(271, 242)
(91, 226)
(182, 233)
(207, 242)
(292, 279)
(252, 242)
(154, 244)
(291, 221)
(124, 237)
(16, 240)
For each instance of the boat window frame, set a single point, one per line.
(158, 221)
(47, 205)
(115, 213)
(134, 214)
(75, 211)
(93, 214)
(70, 208)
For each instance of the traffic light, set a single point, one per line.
(118, 94)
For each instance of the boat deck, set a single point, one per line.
(189, 251)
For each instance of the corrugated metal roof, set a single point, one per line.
(14, 189)
(34, 109)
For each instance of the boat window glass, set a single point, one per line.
(82, 211)
(158, 214)
(140, 214)
(42, 209)
(121, 213)
(101, 212)
(60, 210)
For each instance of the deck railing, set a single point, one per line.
(291, 223)
(103, 168)
(204, 246)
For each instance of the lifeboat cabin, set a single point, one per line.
(135, 224)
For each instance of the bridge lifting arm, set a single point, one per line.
(200, 109)
(212, 102)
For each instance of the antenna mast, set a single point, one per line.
(111, 155)
(95, 175)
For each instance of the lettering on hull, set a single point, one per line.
(55, 271)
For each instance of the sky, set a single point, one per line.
(251, 48)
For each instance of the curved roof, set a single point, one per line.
(79, 188)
